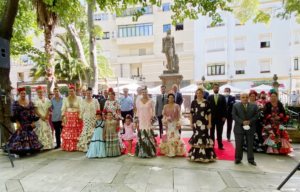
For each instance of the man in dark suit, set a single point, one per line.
(244, 114)
(178, 96)
(102, 101)
(161, 101)
(218, 114)
(230, 100)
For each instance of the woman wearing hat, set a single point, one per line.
(24, 140)
(42, 108)
(88, 114)
(72, 125)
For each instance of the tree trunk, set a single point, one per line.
(50, 78)
(93, 49)
(6, 30)
(79, 48)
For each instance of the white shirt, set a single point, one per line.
(294, 97)
(137, 100)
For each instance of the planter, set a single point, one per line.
(294, 135)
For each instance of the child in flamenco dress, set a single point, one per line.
(97, 145)
(276, 138)
(129, 133)
(112, 148)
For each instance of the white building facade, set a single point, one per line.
(244, 55)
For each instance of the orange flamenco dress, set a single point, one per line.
(72, 125)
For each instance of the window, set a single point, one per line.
(97, 37)
(179, 27)
(216, 45)
(209, 20)
(106, 54)
(20, 76)
(238, 22)
(240, 67)
(265, 41)
(42, 44)
(168, 26)
(136, 70)
(240, 43)
(296, 63)
(130, 11)
(101, 16)
(106, 35)
(265, 66)
(179, 47)
(26, 60)
(135, 30)
(166, 7)
(216, 69)
(296, 37)
(142, 52)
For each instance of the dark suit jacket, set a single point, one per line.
(102, 103)
(179, 99)
(205, 96)
(218, 111)
(230, 103)
(239, 114)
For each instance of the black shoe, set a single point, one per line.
(252, 163)
(237, 162)
(57, 147)
(221, 148)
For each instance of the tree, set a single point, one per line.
(6, 30)
(47, 20)
(290, 6)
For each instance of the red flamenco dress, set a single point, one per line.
(276, 138)
(24, 140)
(72, 125)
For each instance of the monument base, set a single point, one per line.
(169, 79)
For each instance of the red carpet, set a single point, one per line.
(227, 154)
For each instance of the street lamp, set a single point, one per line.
(203, 80)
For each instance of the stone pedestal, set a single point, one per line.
(169, 79)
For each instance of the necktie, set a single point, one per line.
(245, 106)
(216, 99)
(163, 98)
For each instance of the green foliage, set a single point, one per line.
(209, 86)
(63, 90)
(28, 90)
(249, 9)
(290, 6)
(24, 28)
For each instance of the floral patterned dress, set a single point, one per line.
(115, 107)
(72, 126)
(43, 131)
(275, 134)
(112, 147)
(200, 142)
(88, 114)
(146, 143)
(24, 139)
(174, 144)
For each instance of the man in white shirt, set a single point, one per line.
(294, 97)
(83, 93)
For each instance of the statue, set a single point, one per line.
(168, 48)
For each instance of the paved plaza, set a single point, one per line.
(58, 170)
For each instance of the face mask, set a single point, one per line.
(263, 97)
(226, 93)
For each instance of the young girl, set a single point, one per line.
(112, 147)
(129, 134)
(97, 145)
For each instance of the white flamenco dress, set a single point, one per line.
(43, 129)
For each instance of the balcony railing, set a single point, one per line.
(239, 48)
(217, 25)
(130, 14)
(213, 50)
(133, 55)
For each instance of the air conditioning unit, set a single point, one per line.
(113, 34)
(114, 16)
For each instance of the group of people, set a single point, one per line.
(98, 125)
